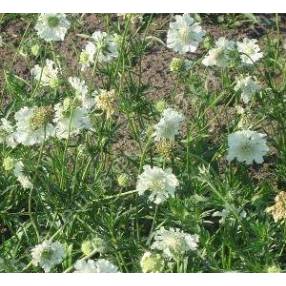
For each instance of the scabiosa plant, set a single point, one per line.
(52, 27)
(48, 254)
(185, 34)
(46, 75)
(248, 86)
(160, 183)
(249, 50)
(247, 146)
(174, 243)
(168, 126)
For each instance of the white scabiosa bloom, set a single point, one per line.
(160, 183)
(248, 87)
(152, 262)
(250, 51)
(70, 118)
(106, 46)
(168, 126)
(102, 48)
(33, 125)
(174, 243)
(46, 75)
(7, 135)
(221, 55)
(98, 266)
(22, 178)
(87, 56)
(184, 35)
(81, 92)
(247, 146)
(52, 27)
(48, 254)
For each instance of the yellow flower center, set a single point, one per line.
(41, 117)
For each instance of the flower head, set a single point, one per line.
(152, 262)
(98, 266)
(278, 210)
(81, 92)
(7, 133)
(19, 173)
(102, 48)
(184, 35)
(168, 126)
(48, 254)
(47, 75)
(70, 118)
(174, 243)
(221, 55)
(248, 87)
(160, 183)
(250, 51)
(33, 125)
(247, 146)
(106, 101)
(52, 27)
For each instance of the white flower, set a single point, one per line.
(104, 266)
(248, 87)
(47, 75)
(184, 35)
(70, 118)
(1, 41)
(81, 92)
(33, 125)
(7, 133)
(88, 266)
(152, 262)
(23, 179)
(87, 56)
(106, 46)
(102, 48)
(174, 243)
(168, 126)
(52, 27)
(250, 51)
(91, 266)
(160, 183)
(221, 55)
(48, 254)
(247, 146)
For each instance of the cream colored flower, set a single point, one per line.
(52, 27)
(184, 35)
(278, 210)
(106, 101)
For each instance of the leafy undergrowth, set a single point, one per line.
(159, 146)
